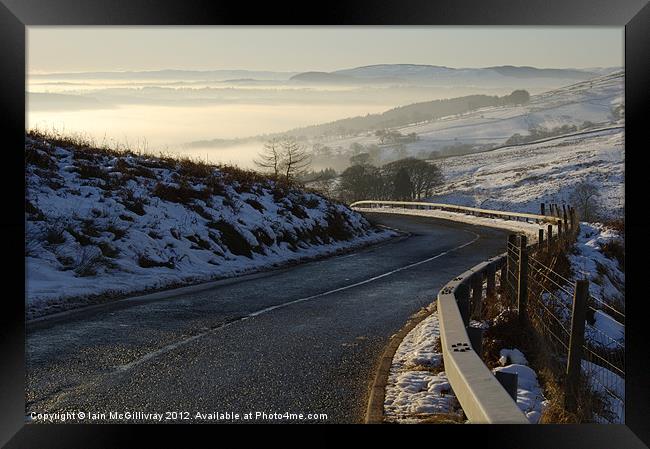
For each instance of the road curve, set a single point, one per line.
(305, 339)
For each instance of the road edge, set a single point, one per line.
(177, 290)
(375, 408)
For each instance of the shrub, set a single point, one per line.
(298, 211)
(108, 250)
(312, 202)
(198, 241)
(132, 203)
(90, 171)
(39, 158)
(154, 235)
(614, 250)
(337, 226)
(118, 233)
(55, 235)
(230, 237)
(89, 262)
(194, 168)
(182, 194)
(134, 170)
(66, 261)
(82, 239)
(201, 211)
(146, 262)
(263, 237)
(34, 213)
(255, 204)
(90, 229)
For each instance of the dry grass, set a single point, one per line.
(87, 149)
(614, 250)
(443, 418)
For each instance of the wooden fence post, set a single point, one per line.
(522, 284)
(543, 207)
(559, 233)
(567, 232)
(549, 237)
(576, 341)
(510, 267)
(540, 240)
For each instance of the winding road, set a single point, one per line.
(304, 339)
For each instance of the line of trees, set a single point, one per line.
(402, 180)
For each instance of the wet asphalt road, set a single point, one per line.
(305, 339)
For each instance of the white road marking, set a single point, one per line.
(179, 343)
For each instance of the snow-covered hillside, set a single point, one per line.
(597, 101)
(519, 178)
(102, 224)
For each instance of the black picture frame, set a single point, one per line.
(15, 15)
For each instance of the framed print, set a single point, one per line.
(409, 213)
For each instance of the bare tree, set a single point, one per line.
(270, 159)
(586, 197)
(295, 159)
(284, 157)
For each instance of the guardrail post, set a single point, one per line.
(576, 341)
(549, 237)
(540, 240)
(477, 294)
(491, 281)
(522, 284)
(462, 299)
(509, 382)
(475, 335)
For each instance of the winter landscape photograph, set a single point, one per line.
(233, 224)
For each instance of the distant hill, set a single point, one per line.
(170, 74)
(533, 72)
(440, 75)
(322, 77)
(404, 115)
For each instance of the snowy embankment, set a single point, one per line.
(530, 397)
(102, 224)
(530, 229)
(418, 389)
(598, 257)
(520, 178)
(417, 386)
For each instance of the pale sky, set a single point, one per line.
(111, 48)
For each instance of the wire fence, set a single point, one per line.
(549, 308)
